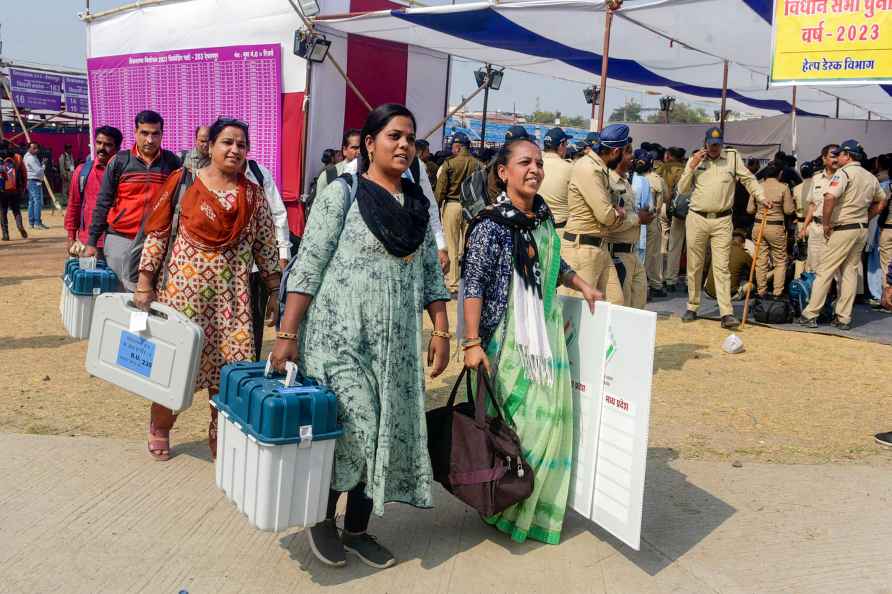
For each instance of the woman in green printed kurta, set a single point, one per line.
(366, 269)
(514, 328)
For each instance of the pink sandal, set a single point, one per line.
(159, 444)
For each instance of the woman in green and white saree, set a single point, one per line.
(513, 327)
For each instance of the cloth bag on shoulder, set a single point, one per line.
(476, 457)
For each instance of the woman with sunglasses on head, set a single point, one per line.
(224, 227)
(366, 268)
(514, 329)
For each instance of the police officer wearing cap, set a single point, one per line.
(557, 175)
(653, 259)
(623, 240)
(449, 179)
(853, 197)
(813, 225)
(594, 209)
(710, 177)
(778, 204)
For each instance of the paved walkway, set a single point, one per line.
(94, 515)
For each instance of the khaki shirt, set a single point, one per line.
(671, 173)
(820, 182)
(712, 184)
(855, 190)
(658, 188)
(778, 198)
(800, 197)
(453, 172)
(629, 231)
(554, 186)
(591, 209)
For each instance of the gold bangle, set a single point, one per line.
(143, 290)
(469, 342)
(286, 335)
(441, 334)
(468, 347)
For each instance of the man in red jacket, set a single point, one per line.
(84, 188)
(13, 179)
(131, 179)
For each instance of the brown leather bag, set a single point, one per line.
(476, 457)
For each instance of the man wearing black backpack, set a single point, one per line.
(350, 150)
(449, 180)
(132, 178)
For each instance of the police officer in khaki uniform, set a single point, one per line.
(673, 226)
(710, 177)
(653, 259)
(623, 240)
(557, 175)
(593, 210)
(813, 228)
(449, 179)
(885, 222)
(772, 256)
(853, 198)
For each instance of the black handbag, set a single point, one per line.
(476, 457)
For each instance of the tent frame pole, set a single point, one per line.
(457, 109)
(837, 108)
(18, 115)
(485, 106)
(605, 57)
(724, 98)
(793, 120)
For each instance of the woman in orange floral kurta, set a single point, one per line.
(225, 226)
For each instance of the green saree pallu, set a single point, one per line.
(541, 413)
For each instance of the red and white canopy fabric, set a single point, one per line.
(669, 46)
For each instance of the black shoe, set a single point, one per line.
(729, 322)
(840, 325)
(884, 439)
(658, 293)
(325, 542)
(670, 287)
(5, 236)
(807, 322)
(689, 316)
(366, 547)
(42, 226)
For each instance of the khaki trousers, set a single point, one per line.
(635, 281)
(454, 230)
(594, 266)
(885, 252)
(772, 255)
(843, 254)
(717, 234)
(665, 224)
(817, 245)
(676, 243)
(653, 260)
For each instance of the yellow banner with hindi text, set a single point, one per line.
(819, 42)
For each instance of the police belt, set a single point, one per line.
(759, 222)
(451, 200)
(621, 248)
(560, 225)
(800, 219)
(817, 220)
(714, 215)
(849, 226)
(886, 226)
(592, 240)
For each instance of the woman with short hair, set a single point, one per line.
(225, 226)
(514, 328)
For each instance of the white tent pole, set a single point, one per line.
(793, 117)
(724, 97)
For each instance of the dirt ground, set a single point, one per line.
(790, 398)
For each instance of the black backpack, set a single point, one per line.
(140, 239)
(772, 311)
(331, 174)
(474, 193)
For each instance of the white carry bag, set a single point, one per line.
(154, 355)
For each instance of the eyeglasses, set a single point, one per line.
(232, 122)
